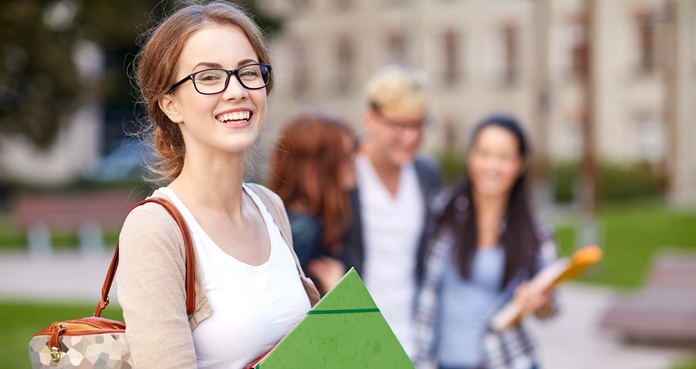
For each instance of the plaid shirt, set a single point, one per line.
(510, 349)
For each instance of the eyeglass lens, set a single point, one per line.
(212, 81)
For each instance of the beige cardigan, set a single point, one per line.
(150, 285)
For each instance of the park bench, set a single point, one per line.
(87, 213)
(665, 310)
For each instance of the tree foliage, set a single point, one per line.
(40, 84)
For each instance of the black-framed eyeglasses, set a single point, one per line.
(398, 126)
(215, 80)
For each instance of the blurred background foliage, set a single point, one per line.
(41, 44)
(617, 182)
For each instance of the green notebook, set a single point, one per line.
(344, 330)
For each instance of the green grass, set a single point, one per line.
(630, 236)
(13, 238)
(689, 365)
(21, 320)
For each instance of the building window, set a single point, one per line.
(511, 55)
(396, 49)
(578, 67)
(452, 61)
(646, 29)
(345, 61)
(300, 72)
(344, 4)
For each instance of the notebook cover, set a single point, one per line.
(344, 330)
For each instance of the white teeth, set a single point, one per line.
(237, 115)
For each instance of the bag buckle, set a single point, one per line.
(56, 354)
(58, 329)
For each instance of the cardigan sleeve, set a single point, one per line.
(151, 290)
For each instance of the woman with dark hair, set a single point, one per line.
(486, 246)
(312, 171)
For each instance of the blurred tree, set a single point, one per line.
(37, 77)
(40, 40)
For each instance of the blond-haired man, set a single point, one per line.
(390, 204)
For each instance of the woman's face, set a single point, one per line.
(494, 162)
(227, 122)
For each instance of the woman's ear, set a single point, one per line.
(170, 106)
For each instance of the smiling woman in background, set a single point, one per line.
(487, 245)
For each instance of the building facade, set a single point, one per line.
(627, 67)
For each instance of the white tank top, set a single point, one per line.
(253, 306)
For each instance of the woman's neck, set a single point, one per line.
(489, 214)
(214, 185)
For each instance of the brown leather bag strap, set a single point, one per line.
(188, 246)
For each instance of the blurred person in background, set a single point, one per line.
(486, 246)
(312, 171)
(390, 203)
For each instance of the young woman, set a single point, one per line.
(312, 171)
(487, 245)
(204, 75)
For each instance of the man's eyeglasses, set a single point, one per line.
(400, 126)
(215, 80)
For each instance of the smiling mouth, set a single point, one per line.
(238, 117)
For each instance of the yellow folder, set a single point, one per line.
(547, 279)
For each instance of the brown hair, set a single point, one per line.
(155, 70)
(306, 171)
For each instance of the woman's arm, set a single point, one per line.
(151, 290)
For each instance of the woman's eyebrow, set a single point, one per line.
(216, 65)
(245, 62)
(207, 64)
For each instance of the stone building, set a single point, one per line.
(626, 66)
(531, 58)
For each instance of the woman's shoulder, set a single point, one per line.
(270, 199)
(544, 230)
(262, 190)
(149, 221)
(446, 196)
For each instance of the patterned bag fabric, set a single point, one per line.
(95, 342)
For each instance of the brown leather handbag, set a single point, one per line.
(95, 342)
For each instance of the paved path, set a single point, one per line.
(64, 277)
(573, 340)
